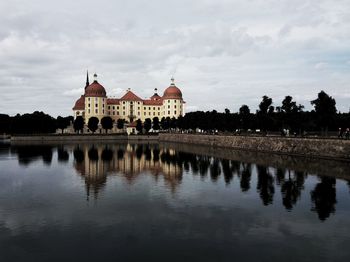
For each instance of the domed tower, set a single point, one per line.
(173, 104)
(95, 100)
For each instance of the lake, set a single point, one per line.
(170, 202)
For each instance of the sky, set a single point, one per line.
(222, 53)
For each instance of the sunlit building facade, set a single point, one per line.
(130, 107)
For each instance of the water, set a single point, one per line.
(170, 202)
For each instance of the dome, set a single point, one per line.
(95, 89)
(172, 92)
(80, 104)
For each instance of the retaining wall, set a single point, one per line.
(310, 147)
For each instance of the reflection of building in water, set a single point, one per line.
(95, 163)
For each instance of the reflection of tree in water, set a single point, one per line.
(28, 154)
(120, 153)
(62, 155)
(107, 154)
(227, 171)
(280, 176)
(291, 189)
(78, 155)
(265, 185)
(156, 153)
(215, 170)
(246, 176)
(139, 151)
(204, 163)
(324, 197)
(93, 154)
(148, 153)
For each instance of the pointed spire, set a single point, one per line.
(87, 79)
(172, 81)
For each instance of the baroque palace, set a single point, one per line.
(130, 107)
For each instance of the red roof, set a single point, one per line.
(156, 97)
(153, 102)
(113, 101)
(95, 89)
(80, 103)
(172, 92)
(130, 96)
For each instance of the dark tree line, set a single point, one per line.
(35, 123)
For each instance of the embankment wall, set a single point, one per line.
(309, 147)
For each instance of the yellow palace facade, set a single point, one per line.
(130, 107)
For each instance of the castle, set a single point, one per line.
(130, 107)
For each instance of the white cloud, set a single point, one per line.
(223, 53)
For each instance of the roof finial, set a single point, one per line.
(155, 90)
(172, 81)
(87, 79)
(95, 77)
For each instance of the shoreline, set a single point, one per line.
(319, 148)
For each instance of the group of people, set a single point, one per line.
(344, 133)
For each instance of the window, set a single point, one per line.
(113, 113)
(113, 107)
(109, 112)
(175, 112)
(89, 111)
(168, 106)
(174, 106)
(168, 112)
(117, 113)
(88, 105)
(138, 102)
(154, 113)
(96, 105)
(103, 105)
(109, 107)
(138, 113)
(103, 111)
(77, 113)
(144, 113)
(138, 108)
(123, 112)
(123, 107)
(124, 102)
(168, 101)
(154, 108)
(158, 114)
(96, 111)
(131, 103)
(96, 99)
(117, 107)
(88, 98)
(149, 108)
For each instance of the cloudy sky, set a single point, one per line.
(222, 53)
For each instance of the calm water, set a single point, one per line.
(163, 202)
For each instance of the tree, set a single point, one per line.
(148, 124)
(5, 122)
(265, 108)
(107, 123)
(265, 104)
(139, 125)
(325, 109)
(165, 123)
(78, 124)
(244, 116)
(63, 122)
(155, 123)
(120, 123)
(93, 124)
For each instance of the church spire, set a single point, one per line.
(87, 79)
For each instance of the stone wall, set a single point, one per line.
(310, 147)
